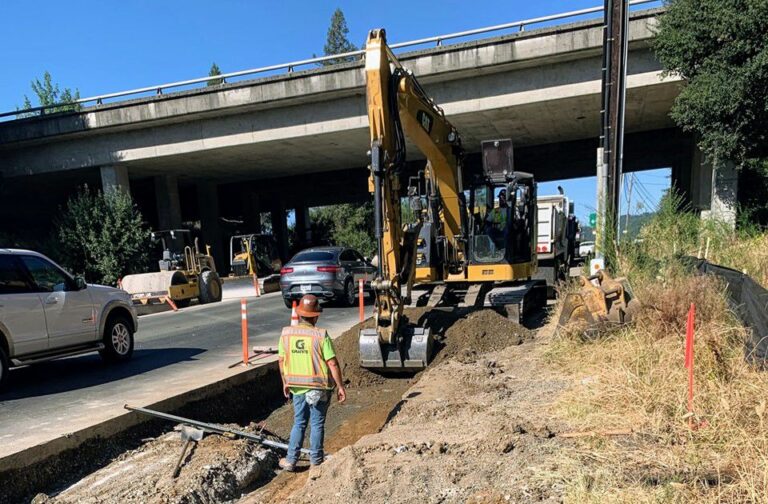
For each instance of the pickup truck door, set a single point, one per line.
(69, 312)
(21, 309)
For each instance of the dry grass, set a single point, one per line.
(634, 378)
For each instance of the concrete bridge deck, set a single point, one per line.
(538, 87)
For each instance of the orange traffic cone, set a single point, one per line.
(294, 315)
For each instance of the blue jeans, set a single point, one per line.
(315, 414)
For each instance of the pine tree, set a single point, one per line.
(48, 94)
(337, 42)
(213, 72)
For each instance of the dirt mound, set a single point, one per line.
(216, 469)
(480, 332)
(463, 338)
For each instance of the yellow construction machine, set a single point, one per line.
(442, 239)
(185, 273)
(253, 254)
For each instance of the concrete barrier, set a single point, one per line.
(53, 465)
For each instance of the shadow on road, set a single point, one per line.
(87, 371)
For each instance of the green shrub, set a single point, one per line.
(102, 236)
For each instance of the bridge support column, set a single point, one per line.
(714, 188)
(251, 213)
(115, 177)
(303, 229)
(208, 203)
(280, 229)
(168, 203)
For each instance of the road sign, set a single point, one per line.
(593, 219)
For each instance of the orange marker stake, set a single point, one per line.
(256, 285)
(171, 304)
(244, 329)
(294, 315)
(362, 301)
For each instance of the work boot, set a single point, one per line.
(285, 465)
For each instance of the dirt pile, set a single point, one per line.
(216, 469)
(458, 337)
(478, 333)
(474, 428)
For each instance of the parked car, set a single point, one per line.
(46, 313)
(587, 249)
(330, 273)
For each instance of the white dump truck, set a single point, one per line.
(556, 237)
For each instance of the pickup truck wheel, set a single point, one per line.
(118, 340)
(4, 368)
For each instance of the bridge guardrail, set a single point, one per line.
(438, 40)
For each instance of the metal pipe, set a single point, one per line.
(290, 66)
(213, 428)
(378, 218)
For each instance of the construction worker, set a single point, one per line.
(496, 221)
(309, 370)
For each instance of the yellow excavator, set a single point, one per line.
(449, 238)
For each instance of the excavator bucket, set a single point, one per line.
(601, 300)
(411, 353)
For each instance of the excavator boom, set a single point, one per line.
(398, 107)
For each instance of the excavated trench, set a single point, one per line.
(238, 404)
(136, 466)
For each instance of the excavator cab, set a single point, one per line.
(502, 220)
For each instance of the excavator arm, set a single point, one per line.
(398, 108)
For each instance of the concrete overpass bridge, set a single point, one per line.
(299, 139)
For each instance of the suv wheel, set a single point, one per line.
(288, 303)
(118, 340)
(349, 293)
(4, 368)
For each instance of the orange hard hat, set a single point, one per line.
(309, 306)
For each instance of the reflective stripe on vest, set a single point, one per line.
(318, 377)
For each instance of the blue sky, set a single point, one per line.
(647, 189)
(109, 45)
(106, 46)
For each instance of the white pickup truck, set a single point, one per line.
(46, 313)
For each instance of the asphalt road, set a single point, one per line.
(174, 352)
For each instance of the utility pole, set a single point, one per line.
(629, 202)
(616, 16)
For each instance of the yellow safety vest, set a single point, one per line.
(303, 363)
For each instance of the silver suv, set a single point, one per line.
(45, 313)
(330, 273)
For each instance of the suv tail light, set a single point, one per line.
(285, 271)
(328, 269)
